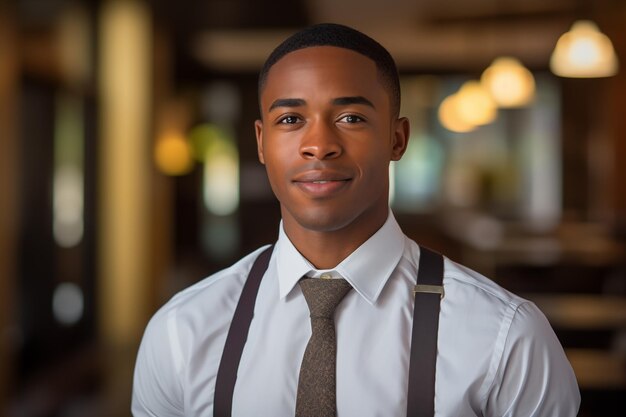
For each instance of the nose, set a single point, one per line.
(320, 141)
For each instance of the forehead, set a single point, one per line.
(330, 69)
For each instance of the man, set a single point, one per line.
(329, 102)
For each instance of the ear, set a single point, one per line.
(400, 138)
(258, 129)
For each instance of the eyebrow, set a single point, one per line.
(287, 102)
(339, 101)
(344, 101)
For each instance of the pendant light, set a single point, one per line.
(510, 83)
(584, 52)
(468, 108)
(475, 105)
(450, 118)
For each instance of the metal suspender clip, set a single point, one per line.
(431, 289)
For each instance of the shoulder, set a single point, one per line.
(201, 309)
(215, 286)
(508, 345)
(464, 281)
(195, 318)
(481, 298)
(491, 309)
(238, 272)
(466, 287)
(482, 315)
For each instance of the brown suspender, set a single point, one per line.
(422, 366)
(237, 335)
(428, 294)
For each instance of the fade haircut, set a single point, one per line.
(331, 34)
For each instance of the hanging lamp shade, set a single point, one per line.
(475, 105)
(450, 118)
(584, 52)
(510, 83)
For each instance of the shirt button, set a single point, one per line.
(325, 276)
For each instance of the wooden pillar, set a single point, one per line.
(8, 194)
(125, 58)
(614, 28)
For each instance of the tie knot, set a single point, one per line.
(324, 295)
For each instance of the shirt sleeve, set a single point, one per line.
(534, 377)
(157, 388)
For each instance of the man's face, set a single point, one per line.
(326, 137)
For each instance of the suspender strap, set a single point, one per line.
(428, 295)
(237, 335)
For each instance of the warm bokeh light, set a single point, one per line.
(450, 118)
(172, 154)
(475, 105)
(584, 52)
(509, 82)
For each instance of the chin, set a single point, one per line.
(325, 221)
(322, 223)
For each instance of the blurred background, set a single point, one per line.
(128, 169)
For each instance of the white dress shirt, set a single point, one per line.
(497, 354)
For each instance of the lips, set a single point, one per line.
(322, 184)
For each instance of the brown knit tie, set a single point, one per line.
(317, 394)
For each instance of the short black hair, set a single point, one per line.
(332, 34)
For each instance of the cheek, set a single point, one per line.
(372, 160)
(277, 164)
(278, 147)
(274, 171)
(374, 170)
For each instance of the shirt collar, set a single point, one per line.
(366, 269)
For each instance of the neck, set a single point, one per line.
(326, 249)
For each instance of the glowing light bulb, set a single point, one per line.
(509, 82)
(475, 105)
(172, 154)
(584, 52)
(450, 118)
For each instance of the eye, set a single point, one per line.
(351, 118)
(289, 120)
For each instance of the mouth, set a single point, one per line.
(320, 184)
